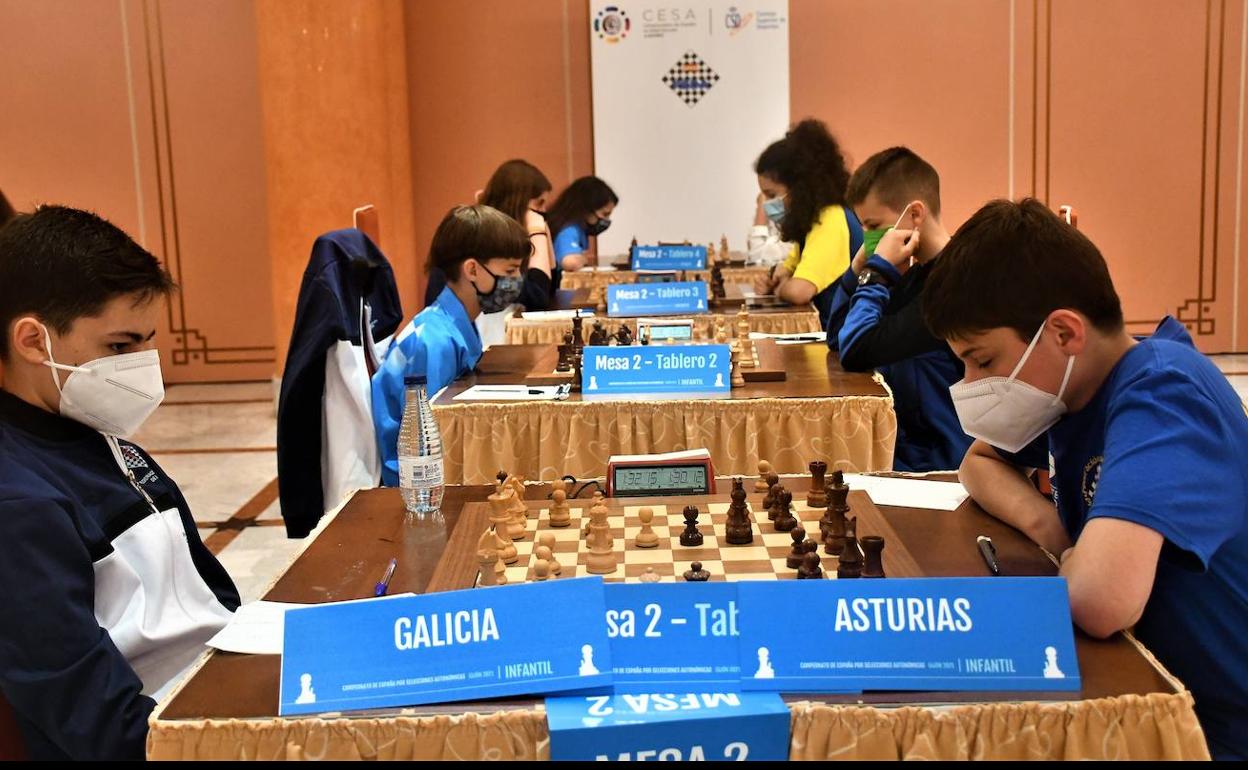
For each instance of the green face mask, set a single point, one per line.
(871, 239)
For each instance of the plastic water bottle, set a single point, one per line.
(420, 451)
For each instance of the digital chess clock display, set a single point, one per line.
(678, 332)
(655, 480)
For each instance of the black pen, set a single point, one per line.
(989, 552)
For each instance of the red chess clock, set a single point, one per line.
(674, 473)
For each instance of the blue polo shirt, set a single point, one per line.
(572, 239)
(441, 343)
(1164, 444)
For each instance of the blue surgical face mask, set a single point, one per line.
(506, 290)
(774, 209)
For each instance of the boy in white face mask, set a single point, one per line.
(1146, 441)
(109, 592)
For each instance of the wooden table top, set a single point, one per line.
(345, 561)
(812, 371)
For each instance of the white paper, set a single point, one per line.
(687, 454)
(790, 339)
(910, 493)
(549, 315)
(255, 629)
(509, 393)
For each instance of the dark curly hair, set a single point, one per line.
(809, 163)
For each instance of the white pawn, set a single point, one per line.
(646, 538)
(560, 515)
(548, 540)
(544, 557)
(650, 576)
(486, 560)
(541, 569)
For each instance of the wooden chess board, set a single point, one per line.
(764, 559)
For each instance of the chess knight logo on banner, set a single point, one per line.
(612, 24)
(690, 78)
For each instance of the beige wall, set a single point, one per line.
(258, 124)
(147, 112)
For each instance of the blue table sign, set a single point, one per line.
(525, 639)
(669, 258)
(673, 636)
(944, 634)
(634, 369)
(688, 726)
(646, 299)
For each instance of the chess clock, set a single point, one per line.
(662, 330)
(664, 277)
(657, 476)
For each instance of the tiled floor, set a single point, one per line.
(218, 443)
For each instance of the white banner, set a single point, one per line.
(685, 98)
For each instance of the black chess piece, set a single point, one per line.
(578, 333)
(624, 336)
(785, 520)
(739, 529)
(769, 499)
(811, 569)
(817, 497)
(850, 562)
(565, 354)
(577, 358)
(501, 476)
(598, 335)
(691, 536)
(798, 554)
(873, 556)
(832, 524)
(695, 573)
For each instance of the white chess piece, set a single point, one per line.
(593, 382)
(1051, 671)
(719, 379)
(765, 670)
(701, 305)
(587, 661)
(306, 693)
(615, 307)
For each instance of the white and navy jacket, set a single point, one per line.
(326, 448)
(108, 593)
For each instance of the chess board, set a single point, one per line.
(764, 559)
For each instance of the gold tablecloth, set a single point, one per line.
(525, 331)
(1150, 727)
(585, 280)
(544, 440)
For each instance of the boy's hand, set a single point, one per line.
(898, 247)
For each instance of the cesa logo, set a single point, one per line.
(736, 22)
(612, 24)
(663, 15)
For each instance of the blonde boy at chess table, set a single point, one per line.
(1145, 440)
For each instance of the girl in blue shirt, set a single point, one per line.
(481, 252)
(581, 211)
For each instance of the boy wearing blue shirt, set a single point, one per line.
(1146, 442)
(481, 251)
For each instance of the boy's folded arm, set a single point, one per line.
(58, 668)
(1004, 490)
(1110, 573)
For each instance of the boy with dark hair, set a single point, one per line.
(1145, 440)
(896, 196)
(109, 594)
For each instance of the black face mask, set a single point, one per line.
(599, 227)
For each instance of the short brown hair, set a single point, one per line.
(1011, 265)
(476, 232)
(897, 176)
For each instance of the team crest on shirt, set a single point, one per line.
(1091, 477)
(137, 463)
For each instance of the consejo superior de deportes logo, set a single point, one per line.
(612, 24)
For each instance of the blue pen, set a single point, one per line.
(384, 585)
